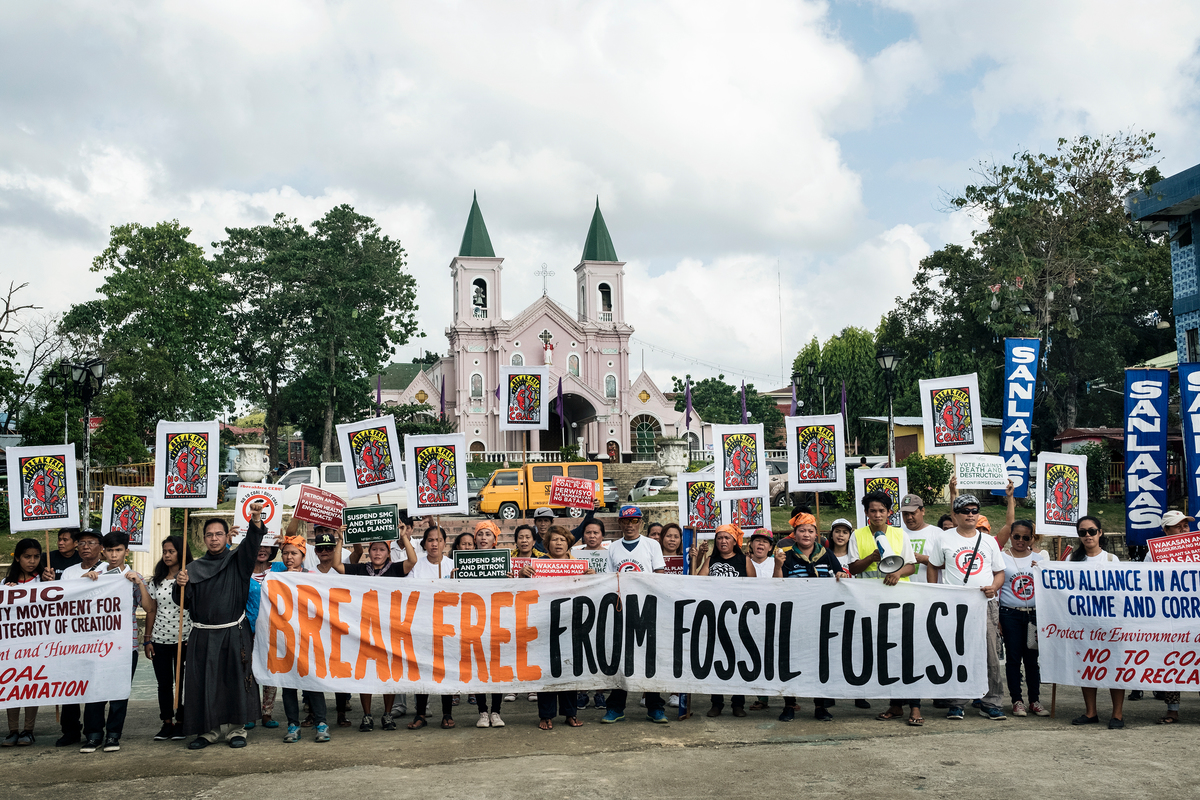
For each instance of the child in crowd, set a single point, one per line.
(26, 566)
(293, 561)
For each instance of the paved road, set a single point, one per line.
(725, 757)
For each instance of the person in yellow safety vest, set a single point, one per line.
(878, 506)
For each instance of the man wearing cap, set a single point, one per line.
(89, 552)
(971, 557)
(1173, 523)
(543, 518)
(634, 553)
(761, 545)
(912, 511)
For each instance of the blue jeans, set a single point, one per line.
(93, 713)
(1014, 627)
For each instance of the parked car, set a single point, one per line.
(474, 484)
(331, 476)
(648, 487)
(229, 479)
(778, 483)
(612, 498)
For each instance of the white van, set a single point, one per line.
(331, 476)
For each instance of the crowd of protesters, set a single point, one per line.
(211, 604)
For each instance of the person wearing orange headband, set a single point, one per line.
(292, 549)
(727, 561)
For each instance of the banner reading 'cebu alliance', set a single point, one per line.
(640, 632)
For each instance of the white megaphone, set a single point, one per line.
(889, 562)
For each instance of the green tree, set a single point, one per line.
(160, 323)
(848, 357)
(267, 268)
(718, 402)
(119, 439)
(42, 417)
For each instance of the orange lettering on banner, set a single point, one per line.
(337, 629)
(474, 621)
(402, 638)
(280, 621)
(441, 630)
(370, 639)
(310, 629)
(498, 634)
(525, 635)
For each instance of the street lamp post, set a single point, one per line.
(62, 377)
(887, 362)
(821, 382)
(87, 378)
(811, 367)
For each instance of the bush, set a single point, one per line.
(928, 475)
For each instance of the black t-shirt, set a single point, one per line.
(824, 567)
(733, 567)
(61, 562)
(395, 570)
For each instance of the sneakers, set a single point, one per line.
(1115, 724)
(111, 744)
(387, 723)
(164, 733)
(177, 732)
(367, 724)
(788, 714)
(292, 735)
(323, 732)
(1039, 709)
(533, 697)
(976, 704)
(11, 739)
(25, 739)
(581, 700)
(496, 721)
(611, 716)
(598, 700)
(992, 714)
(657, 716)
(673, 701)
(90, 745)
(1019, 709)
(1084, 719)
(509, 698)
(67, 740)
(485, 720)
(821, 713)
(955, 712)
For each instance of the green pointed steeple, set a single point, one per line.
(599, 246)
(475, 241)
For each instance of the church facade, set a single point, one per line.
(587, 348)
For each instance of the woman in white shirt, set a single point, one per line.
(1091, 550)
(1018, 615)
(434, 565)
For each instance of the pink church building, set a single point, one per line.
(605, 413)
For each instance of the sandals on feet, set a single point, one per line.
(888, 715)
(1168, 720)
(447, 723)
(916, 722)
(418, 722)
(546, 725)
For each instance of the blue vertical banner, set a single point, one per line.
(1189, 407)
(1146, 393)
(1020, 379)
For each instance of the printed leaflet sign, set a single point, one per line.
(319, 507)
(981, 472)
(572, 492)
(1183, 547)
(438, 482)
(184, 456)
(951, 416)
(128, 510)
(371, 524)
(42, 493)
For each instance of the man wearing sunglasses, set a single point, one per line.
(972, 558)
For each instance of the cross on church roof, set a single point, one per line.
(545, 336)
(544, 273)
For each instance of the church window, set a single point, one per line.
(605, 303)
(610, 385)
(573, 365)
(476, 385)
(643, 429)
(479, 300)
(518, 360)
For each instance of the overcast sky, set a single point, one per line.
(735, 147)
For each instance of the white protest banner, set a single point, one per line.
(748, 513)
(1062, 496)
(184, 456)
(65, 642)
(816, 453)
(892, 482)
(271, 496)
(951, 416)
(439, 474)
(370, 456)
(1119, 625)
(795, 637)
(741, 461)
(698, 507)
(981, 472)
(524, 398)
(128, 510)
(42, 489)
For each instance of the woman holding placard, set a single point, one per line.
(727, 562)
(25, 568)
(162, 635)
(1091, 549)
(486, 534)
(435, 565)
(1018, 614)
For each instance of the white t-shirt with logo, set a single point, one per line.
(1019, 579)
(923, 541)
(645, 555)
(953, 552)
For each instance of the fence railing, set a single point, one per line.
(707, 455)
(514, 456)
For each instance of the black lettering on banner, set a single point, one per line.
(785, 643)
(610, 604)
(581, 625)
(641, 630)
(769, 650)
(960, 641)
(848, 651)
(706, 613)
(680, 630)
(751, 673)
(726, 668)
(938, 644)
(884, 644)
(555, 631)
(907, 650)
(827, 634)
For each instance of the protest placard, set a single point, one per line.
(981, 472)
(1062, 493)
(371, 456)
(42, 493)
(128, 510)
(950, 415)
(1179, 547)
(572, 492)
(816, 453)
(185, 454)
(477, 564)
(741, 468)
(524, 399)
(892, 482)
(555, 567)
(597, 560)
(271, 496)
(698, 507)
(438, 474)
(371, 524)
(674, 565)
(319, 507)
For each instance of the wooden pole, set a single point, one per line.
(817, 498)
(182, 589)
(1053, 699)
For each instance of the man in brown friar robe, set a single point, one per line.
(218, 682)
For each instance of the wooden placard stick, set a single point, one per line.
(182, 589)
